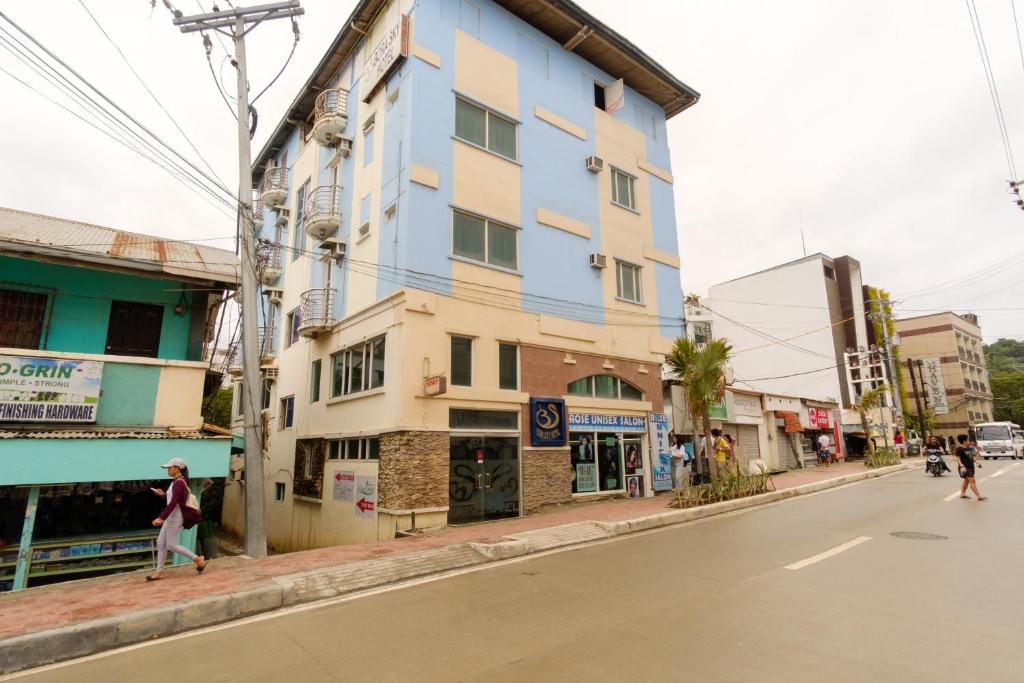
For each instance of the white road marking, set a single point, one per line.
(955, 494)
(828, 553)
(998, 473)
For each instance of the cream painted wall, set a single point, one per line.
(486, 75)
(179, 396)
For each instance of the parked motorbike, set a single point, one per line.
(934, 464)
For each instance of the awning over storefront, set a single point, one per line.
(792, 420)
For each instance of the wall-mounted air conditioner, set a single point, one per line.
(598, 261)
(344, 146)
(283, 215)
(274, 296)
(334, 248)
(595, 164)
(269, 374)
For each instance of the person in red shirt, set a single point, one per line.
(171, 519)
(901, 446)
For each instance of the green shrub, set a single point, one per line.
(728, 486)
(883, 457)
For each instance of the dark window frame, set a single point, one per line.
(14, 322)
(132, 311)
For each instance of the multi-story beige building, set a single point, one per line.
(956, 385)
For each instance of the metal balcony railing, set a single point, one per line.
(270, 262)
(330, 115)
(322, 211)
(274, 188)
(316, 307)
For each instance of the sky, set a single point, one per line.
(868, 126)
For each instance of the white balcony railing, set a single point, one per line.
(330, 115)
(322, 211)
(267, 334)
(270, 262)
(274, 189)
(317, 311)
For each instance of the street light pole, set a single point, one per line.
(233, 23)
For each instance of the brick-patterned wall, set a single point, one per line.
(311, 487)
(547, 478)
(413, 471)
(545, 373)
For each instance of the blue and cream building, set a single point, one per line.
(468, 204)
(104, 339)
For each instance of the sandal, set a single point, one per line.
(154, 578)
(983, 498)
(200, 568)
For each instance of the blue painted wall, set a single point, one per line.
(81, 304)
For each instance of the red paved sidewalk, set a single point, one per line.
(68, 603)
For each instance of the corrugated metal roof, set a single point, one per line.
(21, 231)
(105, 434)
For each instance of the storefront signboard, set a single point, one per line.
(818, 417)
(547, 422)
(586, 477)
(366, 496)
(435, 385)
(345, 486)
(606, 423)
(661, 457)
(49, 389)
(746, 404)
(392, 49)
(719, 411)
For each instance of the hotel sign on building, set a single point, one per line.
(49, 389)
(392, 49)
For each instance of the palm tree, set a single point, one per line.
(701, 371)
(867, 402)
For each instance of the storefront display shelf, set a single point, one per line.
(135, 564)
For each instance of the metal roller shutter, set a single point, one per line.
(749, 449)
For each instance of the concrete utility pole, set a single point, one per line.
(232, 23)
(917, 400)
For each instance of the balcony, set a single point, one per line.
(330, 115)
(317, 312)
(274, 189)
(270, 263)
(322, 212)
(267, 334)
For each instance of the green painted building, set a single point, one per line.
(105, 341)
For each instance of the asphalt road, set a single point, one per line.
(733, 598)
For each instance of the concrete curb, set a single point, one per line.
(68, 642)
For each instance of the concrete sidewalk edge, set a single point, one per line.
(91, 637)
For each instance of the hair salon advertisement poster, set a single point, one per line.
(661, 457)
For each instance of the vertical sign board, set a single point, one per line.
(547, 422)
(366, 496)
(392, 49)
(934, 385)
(661, 457)
(49, 389)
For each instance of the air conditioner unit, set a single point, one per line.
(269, 374)
(335, 249)
(598, 261)
(595, 164)
(344, 146)
(274, 296)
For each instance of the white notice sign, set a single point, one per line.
(366, 496)
(935, 386)
(345, 486)
(392, 48)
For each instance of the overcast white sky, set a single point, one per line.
(869, 124)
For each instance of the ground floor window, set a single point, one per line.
(600, 460)
(354, 449)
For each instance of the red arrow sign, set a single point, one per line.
(364, 505)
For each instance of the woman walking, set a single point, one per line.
(967, 457)
(171, 519)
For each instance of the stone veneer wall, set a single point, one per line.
(547, 478)
(413, 470)
(311, 487)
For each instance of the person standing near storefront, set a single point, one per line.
(967, 457)
(733, 460)
(824, 449)
(680, 463)
(172, 518)
(721, 450)
(901, 446)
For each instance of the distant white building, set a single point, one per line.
(815, 304)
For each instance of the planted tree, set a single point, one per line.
(701, 372)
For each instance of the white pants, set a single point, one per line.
(680, 475)
(168, 540)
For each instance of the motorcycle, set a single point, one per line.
(934, 464)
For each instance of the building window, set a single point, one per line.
(299, 238)
(265, 395)
(462, 361)
(134, 329)
(291, 333)
(599, 101)
(597, 460)
(627, 282)
(354, 449)
(486, 129)
(358, 369)
(278, 492)
(21, 318)
(483, 240)
(287, 417)
(623, 189)
(314, 380)
(368, 128)
(508, 366)
(830, 272)
(604, 386)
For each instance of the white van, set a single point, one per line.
(999, 440)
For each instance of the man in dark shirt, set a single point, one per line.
(965, 454)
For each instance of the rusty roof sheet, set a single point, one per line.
(101, 433)
(33, 233)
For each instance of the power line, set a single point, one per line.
(142, 81)
(990, 79)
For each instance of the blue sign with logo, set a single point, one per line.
(547, 422)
